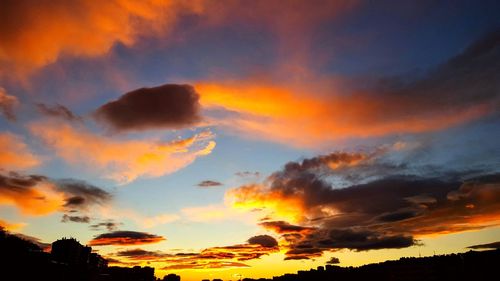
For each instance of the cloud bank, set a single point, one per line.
(316, 206)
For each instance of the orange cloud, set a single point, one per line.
(310, 108)
(214, 257)
(289, 206)
(38, 195)
(7, 104)
(11, 226)
(274, 204)
(51, 29)
(15, 154)
(303, 117)
(150, 158)
(125, 238)
(86, 28)
(30, 195)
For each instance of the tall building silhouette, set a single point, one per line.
(70, 251)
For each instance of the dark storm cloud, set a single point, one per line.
(17, 182)
(397, 216)
(364, 240)
(80, 219)
(82, 193)
(209, 183)
(264, 241)
(388, 211)
(168, 106)
(125, 238)
(58, 111)
(494, 245)
(324, 239)
(285, 227)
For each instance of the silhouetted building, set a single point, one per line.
(135, 273)
(22, 260)
(172, 277)
(70, 251)
(96, 262)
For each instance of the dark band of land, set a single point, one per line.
(68, 260)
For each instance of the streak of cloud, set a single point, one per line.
(144, 158)
(125, 238)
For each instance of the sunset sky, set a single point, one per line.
(218, 139)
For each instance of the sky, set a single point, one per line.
(220, 139)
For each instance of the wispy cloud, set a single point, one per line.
(57, 111)
(213, 257)
(147, 158)
(15, 153)
(125, 238)
(209, 183)
(39, 195)
(7, 104)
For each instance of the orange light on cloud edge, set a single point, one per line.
(298, 118)
(125, 241)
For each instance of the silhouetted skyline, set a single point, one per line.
(69, 260)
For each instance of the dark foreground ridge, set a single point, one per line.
(68, 260)
(472, 265)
